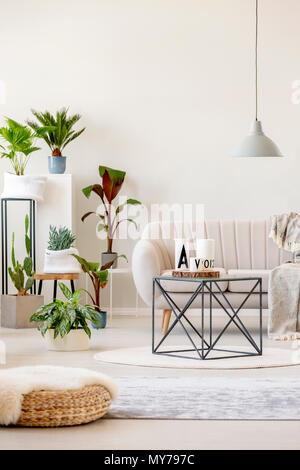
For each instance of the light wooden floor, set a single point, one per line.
(25, 347)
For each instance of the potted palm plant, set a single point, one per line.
(111, 183)
(64, 323)
(59, 133)
(18, 146)
(58, 255)
(17, 309)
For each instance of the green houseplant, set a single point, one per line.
(110, 218)
(17, 146)
(99, 277)
(64, 323)
(16, 309)
(58, 255)
(57, 131)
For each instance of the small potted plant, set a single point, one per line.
(111, 183)
(64, 323)
(58, 255)
(17, 309)
(57, 131)
(98, 276)
(18, 146)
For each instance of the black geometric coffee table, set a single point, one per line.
(208, 344)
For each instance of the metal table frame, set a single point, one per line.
(207, 344)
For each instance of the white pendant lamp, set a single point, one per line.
(256, 144)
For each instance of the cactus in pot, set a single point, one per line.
(16, 309)
(18, 271)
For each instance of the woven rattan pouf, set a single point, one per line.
(50, 396)
(51, 408)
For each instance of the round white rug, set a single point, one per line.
(272, 357)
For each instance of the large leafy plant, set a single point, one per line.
(59, 129)
(18, 272)
(64, 316)
(98, 276)
(111, 183)
(60, 238)
(18, 143)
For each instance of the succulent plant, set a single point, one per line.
(18, 271)
(60, 238)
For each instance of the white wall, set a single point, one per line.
(165, 88)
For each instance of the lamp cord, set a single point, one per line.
(256, 64)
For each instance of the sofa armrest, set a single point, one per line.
(147, 262)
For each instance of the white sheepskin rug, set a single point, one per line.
(15, 383)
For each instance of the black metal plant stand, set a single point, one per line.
(207, 343)
(40, 286)
(4, 239)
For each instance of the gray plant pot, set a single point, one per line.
(108, 257)
(16, 310)
(57, 165)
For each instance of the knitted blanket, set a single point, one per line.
(285, 231)
(284, 293)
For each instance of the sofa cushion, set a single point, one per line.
(246, 286)
(187, 286)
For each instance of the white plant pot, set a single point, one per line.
(76, 340)
(61, 262)
(24, 187)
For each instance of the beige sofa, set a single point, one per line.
(243, 249)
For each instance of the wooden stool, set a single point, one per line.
(56, 277)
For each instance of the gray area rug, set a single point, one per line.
(206, 398)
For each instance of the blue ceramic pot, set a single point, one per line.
(57, 165)
(102, 318)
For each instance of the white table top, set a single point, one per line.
(119, 270)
